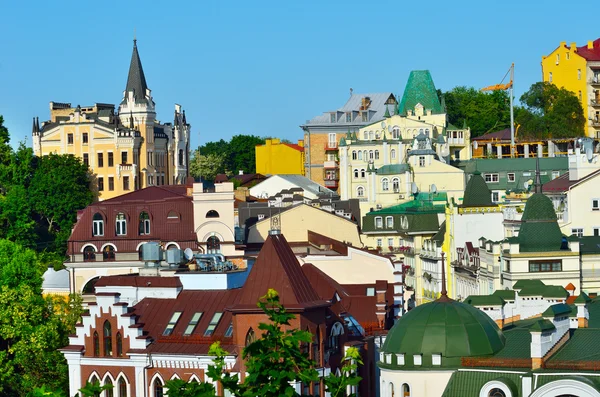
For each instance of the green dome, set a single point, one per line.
(445, 327)
(539, 229)
(477, 192)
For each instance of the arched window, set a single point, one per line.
(395, 133)
(496, 392)
(119, 345)
(88, 288)
(391, 388)
(121, 224)
(212, 214)
(366, 135)
(371, 135)
(356, 173)
(98, 225)
(158, 388)
(250, 337)
(107, 338)
(371, 155)
(365, 155)
(89, 254)
(354, 155)
(376, 154)
(393, 154)
(144, 226)
(108, 253)
(405, 390)
(122, 387)
(362, 173)
(110, 390)
(360, 191)
(316, 347)
(95, 381)
(396, 185)
(385, 185)
(360, 155)
(213, 245)
(180, 156)
(96, 343)
(140, 252)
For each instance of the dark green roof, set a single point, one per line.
(543, 379)
(528, 283)
(543, 325)
(439, 236)
(420, 89)
(588, 244)
(539, 228)
(506, 294)
(470, 383)
(445, 327)
(583, 298)
(518, 344)
(514, 165)
(393, 169)
(477, 193)
(582, 345)
(485, 300)
(557, 310)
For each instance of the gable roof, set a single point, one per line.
(354, 103)
(420, 89)
(277, 267)
(306, 184)
(563, 183)
(590, 54)
(502, 135)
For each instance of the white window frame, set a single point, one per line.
(98, 227)
(380, 242)
(417, 359)
(378, 222)
(577, 231)
(393, 154)
(396, 185)
(511, 176)
(390, 242)
(360, 191)
(121, 225)
(421, 161)
(389, 222)
(491, 178)
(436, 359)
(385, 184)
(495, 197)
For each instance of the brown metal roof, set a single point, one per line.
(277, 267)
(132, 280)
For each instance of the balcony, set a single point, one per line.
(331, 184)
(595, 102)
(331, 146)
(595, 80)
(595, 122)
(456, 141)
(330, 164)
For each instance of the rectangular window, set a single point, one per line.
(332, 117)
(436, 359)
(125, 183)
(70, 139)
(332, 140)
(555, 174)
(365, 116)
(100, 184)
(111, 183)
(123, 157)
(491, 178)
(421, 161)
(229, 330)
(418, 359)
(100, 159)
(390, 242)
(595, 204)
(550, 77)
(86, 159)
(495, 197)
(84, 138)
(370, 291)
(545, 266)
(213, 324)
(172, 323)
(379, 222)
(597, 231)
(578, 74)
(379, 242)
(511, 177)
(193, 323)
(111, 159)
(349, 117)
(389, 222)
(577, 232)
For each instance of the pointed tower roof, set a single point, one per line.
(277, 267)
(33, 129)
(420, 89)
(136, 81)
(477, 192)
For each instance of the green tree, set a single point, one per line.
(93, 389)
(550, 112)
(273, 362)
(482, 111)
(207, 166)
(5, 149)
(242, 153)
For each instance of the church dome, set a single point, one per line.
(444, 330)
(539, 229)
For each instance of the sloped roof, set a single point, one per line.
(420, 89)
(307, 185)
(277, 267)
(393, 169)
(354, 103)
(484, 300)
(502, 135)
(439, 236)
(556, 310)
(477, 192)
(539, 227)
(590, 54)
(136, 81)
(470, 383)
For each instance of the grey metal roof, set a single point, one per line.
(56, 279)
(354, 103)
(307, 185)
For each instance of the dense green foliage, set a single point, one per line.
(32, 327)
(482, 111)
(39, 197)
(550, 112)
(206, 166)
(237, 154)
(273, 362)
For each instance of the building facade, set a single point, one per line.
(126, 150)
(276, 157)
(577, 69)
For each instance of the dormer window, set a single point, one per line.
(348, 117)
(332, 118)
(172, 323)
(213, 324)
(400, 359)
(418, 359)
(436, 359)
(365, 116)
(378, 222)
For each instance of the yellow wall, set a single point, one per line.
(564, 63)
(275, 157)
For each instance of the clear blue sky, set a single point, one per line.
(263, 68)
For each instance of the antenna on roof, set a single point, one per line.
(538, 179)
(351, 90)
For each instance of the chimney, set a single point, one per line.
(590, 45)
(563, 43)
(241, 172)
(573, 46)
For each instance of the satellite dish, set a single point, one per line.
(475, 145)
(383, 125)
(526, 185)
(433, 188)
(413, 188)
(445, 151)
(389, 128)
(188, 253)
(589, 153)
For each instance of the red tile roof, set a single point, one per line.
(590, 54)
(277, 267)
(560, 184)
(295, 146)
(570, 287)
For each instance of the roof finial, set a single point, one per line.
(538, 179)
(444, 294)
(134, 38)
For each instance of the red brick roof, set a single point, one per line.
(590, 54)
(277, 267)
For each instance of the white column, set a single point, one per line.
(386, 155)
(74, 363)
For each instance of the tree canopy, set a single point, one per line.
(550, 112)
(206, 166)
(237, 154)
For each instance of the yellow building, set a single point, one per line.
(577, 69)
(126, 151)
(276, 157)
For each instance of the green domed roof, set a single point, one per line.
(539, 228)
(445, 327)
(477, 192)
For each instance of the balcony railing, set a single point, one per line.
(331, 183)
(595, 80)
(595, 102)
(330, 164)
(456, 141)
(331, 146)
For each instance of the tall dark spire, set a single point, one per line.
(136, 81)
(444, 293)
(538, 179)
(34, 129)
(184, 121)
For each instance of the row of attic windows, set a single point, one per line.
(194, 323)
